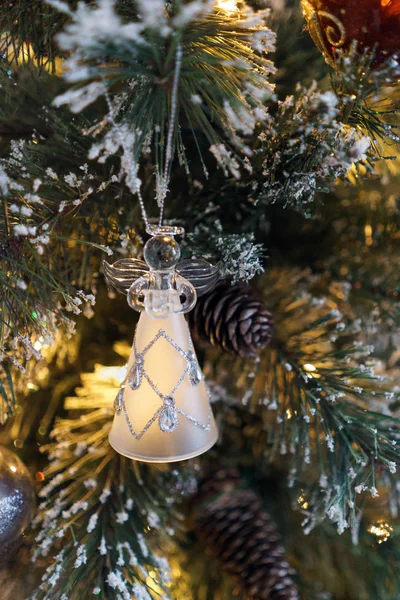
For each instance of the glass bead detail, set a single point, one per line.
(168, 420)
(118, 402)
(194, 372)
(166, 415)
(136, 373)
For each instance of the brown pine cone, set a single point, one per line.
(232, 318)
(232, 523)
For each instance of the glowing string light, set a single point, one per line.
(381, 530)
(227, 6)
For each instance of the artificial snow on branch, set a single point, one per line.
(313, 387)
(223, 76)
(304, 148)
(102, 517)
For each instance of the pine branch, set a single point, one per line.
(365, 97)
(315, 138)
(222, 74)
(361, 266)
(303, 150)
(317, 376)
(367, 570)
(239, 257)
(102, 515)
(58, 219)
(344, 569)
(327, 563)
(28, 27)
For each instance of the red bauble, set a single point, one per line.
(337, 24)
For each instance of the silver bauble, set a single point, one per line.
(17, 502)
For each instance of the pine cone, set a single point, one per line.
(232, 523)
(232, 318)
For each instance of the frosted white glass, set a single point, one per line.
(164, 366)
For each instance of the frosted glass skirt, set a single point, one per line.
(168, 457)
(164, 365)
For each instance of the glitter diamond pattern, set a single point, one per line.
(167, 414)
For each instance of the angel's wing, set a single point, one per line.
(124, 272)
(201, 274)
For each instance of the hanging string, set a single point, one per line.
(130, 163)
(171, 129)
(131, 166)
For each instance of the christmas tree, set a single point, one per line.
(199, 306)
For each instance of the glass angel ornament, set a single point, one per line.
(162, 411)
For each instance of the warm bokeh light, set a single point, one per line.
(38, 345)
(302, 501)
(368, 235)
(311, 370)
(24, 54)
(101, 385)
(382, 530)
(115, 374)
(227, 6)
